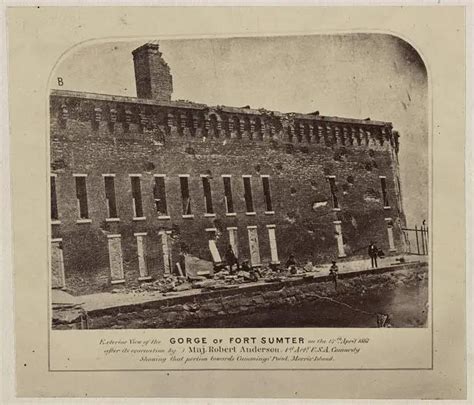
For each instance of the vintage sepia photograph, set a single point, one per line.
(245, 182)
(273, 198)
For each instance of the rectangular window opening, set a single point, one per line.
(109, 184)
(186, 199)
(248, 194)
(228, 195)
(383, 183)
(159, 194)
(54, 202)
(333, 187)
(206, 187)
(267, 194)
(81, 195)
(137, 197)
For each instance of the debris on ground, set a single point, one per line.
(204, 283)
(200, 274)
(400, 260)
(220, 286)
(244, 274)
(183, 287)
(190, 307)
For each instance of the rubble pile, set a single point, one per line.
(223, 279)
(265, 274)
(169, 283)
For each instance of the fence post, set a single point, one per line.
(425, 249)
(427, 239)
(422, 234)
(417, 243)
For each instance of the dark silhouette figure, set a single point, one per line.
(373, 254)
(291, 264)
(231, 259)
(334, 271)
(246, 266)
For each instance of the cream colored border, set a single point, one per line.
(30, 33)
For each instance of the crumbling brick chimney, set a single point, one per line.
(152, 74)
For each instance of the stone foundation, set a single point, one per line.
(192, 311)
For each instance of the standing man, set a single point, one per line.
(334, 271)
(373, 253)
(231, 259)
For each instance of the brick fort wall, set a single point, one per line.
(95, 135)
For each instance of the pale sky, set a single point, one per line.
(357, 76)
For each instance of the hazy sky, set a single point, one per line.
(358, 75)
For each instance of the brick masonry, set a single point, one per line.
(152, 74)
(98, 134)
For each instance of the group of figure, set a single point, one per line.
(232, 262)
(233, 265)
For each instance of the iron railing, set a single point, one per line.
(416, 240)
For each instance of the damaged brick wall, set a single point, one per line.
(152, 74)
(96, 137)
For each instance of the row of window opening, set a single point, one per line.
(160, 198)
